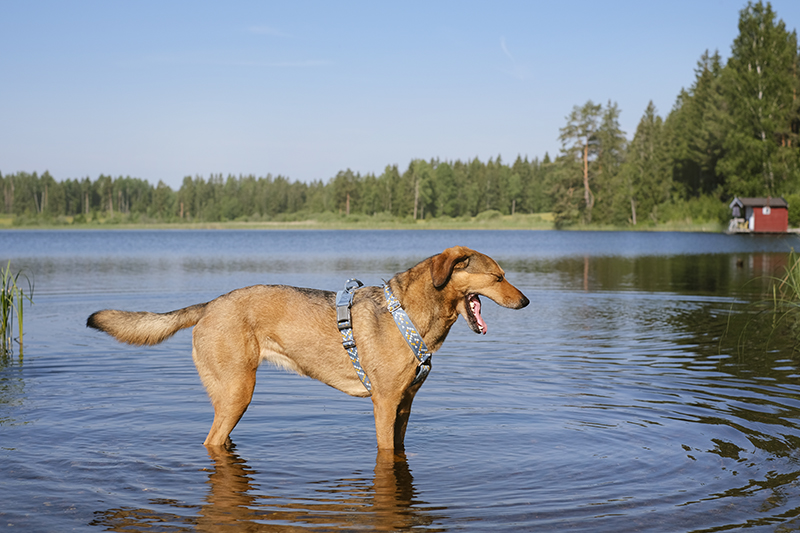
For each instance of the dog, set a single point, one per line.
(296, 328)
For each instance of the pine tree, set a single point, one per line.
(760, 86)
(646, 177)
(578, 145)
(611, 145)
(695, 130)
(446, 190)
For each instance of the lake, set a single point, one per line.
(647, 387)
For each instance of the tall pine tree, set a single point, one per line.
(645, 174)
(578, 147)
(760, 87)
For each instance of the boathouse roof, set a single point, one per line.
(759, 202)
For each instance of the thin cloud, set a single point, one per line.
(517, 70)
(505, 48)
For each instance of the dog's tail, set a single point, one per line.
(143, 327)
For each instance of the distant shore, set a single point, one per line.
(328, 221)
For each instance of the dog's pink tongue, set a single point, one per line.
(475, 303)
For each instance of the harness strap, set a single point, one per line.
(410, 334)
(344, 299)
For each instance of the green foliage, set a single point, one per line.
(646, 181)
(760, 87)
(489, 214)
(794, 208)
(697, 210)
(425, 189)
(592, 150)
(789, 285)
(786, 296)
(12, 299)
(695, 129)
(579, 148)
(566, 193)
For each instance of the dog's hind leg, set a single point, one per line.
(229, 407)
(228, 371)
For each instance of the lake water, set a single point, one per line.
(645, 388)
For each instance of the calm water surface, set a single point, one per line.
(644, 389)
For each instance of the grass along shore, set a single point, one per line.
(491, 220)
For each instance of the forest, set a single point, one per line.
(734, 132)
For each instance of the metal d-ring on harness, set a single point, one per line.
(344, 300)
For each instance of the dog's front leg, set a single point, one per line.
(403, 412)
(385, 410)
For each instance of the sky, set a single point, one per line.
(160, 90)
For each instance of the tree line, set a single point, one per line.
(734, 131)
(425, 189)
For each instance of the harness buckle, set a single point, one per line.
(392, 303)
(349, 344)
(343, 317)
(344, 299)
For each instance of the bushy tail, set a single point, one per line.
(142, 327)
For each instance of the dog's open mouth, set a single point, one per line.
(474, 318)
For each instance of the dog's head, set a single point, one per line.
(464, 274)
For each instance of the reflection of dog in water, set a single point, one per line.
(297, 329)
(236, 501)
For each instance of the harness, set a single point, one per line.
(344, 300)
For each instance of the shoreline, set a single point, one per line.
(537, 222)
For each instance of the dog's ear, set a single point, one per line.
(442, 265)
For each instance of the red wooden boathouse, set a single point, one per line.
(759, 215)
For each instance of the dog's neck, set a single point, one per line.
(432, 321)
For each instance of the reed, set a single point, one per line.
(786, 297)
(12, 298)
(787, 290)
(781, 304)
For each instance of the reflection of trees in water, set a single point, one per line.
(718, 274)
(384, 503)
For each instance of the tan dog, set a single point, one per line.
(297, 329)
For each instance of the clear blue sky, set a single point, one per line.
(162, 90)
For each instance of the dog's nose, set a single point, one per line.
(523, 302)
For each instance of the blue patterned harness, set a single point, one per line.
(344, 300)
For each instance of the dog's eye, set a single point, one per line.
(499, 278)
